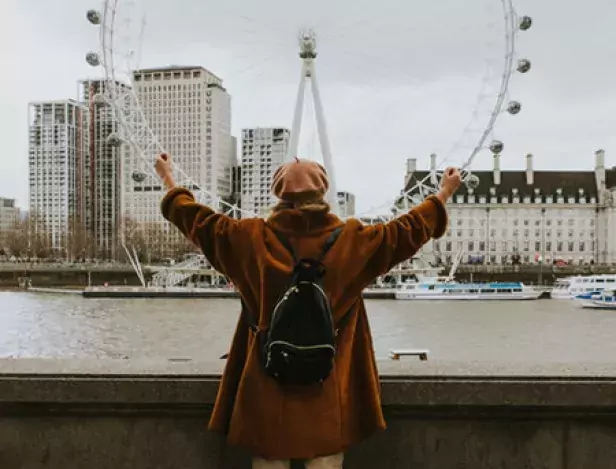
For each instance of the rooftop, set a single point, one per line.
(175, 68)
(547, 182)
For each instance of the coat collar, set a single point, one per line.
(294, 221)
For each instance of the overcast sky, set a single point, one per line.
(399, 78)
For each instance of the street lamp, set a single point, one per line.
(542, 246)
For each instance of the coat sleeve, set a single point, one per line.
(219, 236)
(389, 244)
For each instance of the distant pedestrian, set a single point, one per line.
(301, 380)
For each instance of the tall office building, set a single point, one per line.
(263, 150)
(101, 198)
(58, 147)
(189, 112)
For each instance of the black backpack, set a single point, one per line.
(300, 343)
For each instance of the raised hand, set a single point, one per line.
(164, 170)
(450, 182)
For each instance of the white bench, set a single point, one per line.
(413, 352)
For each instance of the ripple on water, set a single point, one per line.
(535, 332)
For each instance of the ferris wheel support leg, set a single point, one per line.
(332, 194)
(297, 115)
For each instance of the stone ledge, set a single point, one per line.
(158, 384)
(390, 369)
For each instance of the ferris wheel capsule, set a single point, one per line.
(93, 59)
(472, 182)
(138, 176)
(496, 146)
(114, 140)
(523, 65)
(514, 107)
(94, 17)
(525, 23)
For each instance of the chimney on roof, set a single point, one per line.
(529, 170)
(433, 178)
(411, 167)
(600, 174)
(497, 173)
(599, 159)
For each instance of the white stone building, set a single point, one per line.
(521, 216)
(346, 204)
(189, 111)
(58, 145)
(263, 151)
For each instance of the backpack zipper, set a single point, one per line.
(301, 347)
(294, 289)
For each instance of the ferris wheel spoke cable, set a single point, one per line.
(135, 131)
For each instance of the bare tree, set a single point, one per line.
(133, 236)
(17, 240)
(79, 243)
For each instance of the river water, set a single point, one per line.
(532, 332)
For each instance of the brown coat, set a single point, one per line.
(251, 408)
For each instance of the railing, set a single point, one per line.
(175, 276)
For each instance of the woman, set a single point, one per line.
(318, 422)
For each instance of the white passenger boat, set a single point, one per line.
(430, 287)
(606, 300)
(582, 287)
(440, 289)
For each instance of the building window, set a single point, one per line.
(471, 246)
(548, 246)
(559, 246)
(581, 246)
(571, 247)
(448, 246)
(482, 246)
(537, 246)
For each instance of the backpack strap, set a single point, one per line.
(248, 317)
(285, 242)
(333, 237)
(343, 320)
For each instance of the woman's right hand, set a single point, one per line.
(164, 170)
(450, 182)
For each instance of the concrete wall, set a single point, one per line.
(125, 414)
